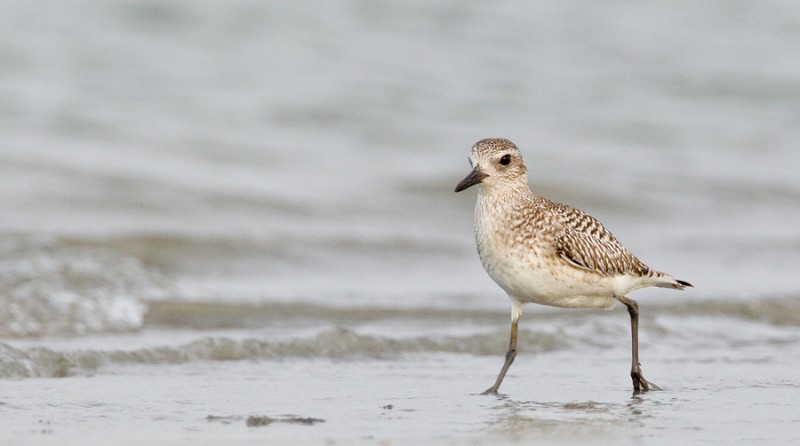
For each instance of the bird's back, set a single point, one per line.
(584, 242)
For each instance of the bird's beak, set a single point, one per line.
(474, 177)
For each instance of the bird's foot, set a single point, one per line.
(490, 391)
(640, 384)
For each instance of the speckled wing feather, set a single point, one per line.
(585, 243)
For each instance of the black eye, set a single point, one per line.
(505, 160)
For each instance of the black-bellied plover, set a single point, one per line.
(549, 253)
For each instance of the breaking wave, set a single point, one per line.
(51, 287)
(215, 314)
(336, 343)
(725, 322)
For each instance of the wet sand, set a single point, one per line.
(432, 398)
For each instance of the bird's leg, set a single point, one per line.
(639, 383)
(516, 312)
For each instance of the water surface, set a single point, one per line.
(220, 210)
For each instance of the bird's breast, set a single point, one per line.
(511, 245)
(518, 251)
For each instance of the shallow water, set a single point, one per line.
(400, 376)
(220, 210)
(577, 395)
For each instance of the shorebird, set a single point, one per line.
(550, 253)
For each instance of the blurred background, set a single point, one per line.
(248, 151)
(214, 209)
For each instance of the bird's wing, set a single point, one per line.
(585, 243)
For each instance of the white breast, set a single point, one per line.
(527, 267)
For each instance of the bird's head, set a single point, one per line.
(495, 162)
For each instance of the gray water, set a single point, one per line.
(216, 210)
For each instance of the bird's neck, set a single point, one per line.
(505, 191)
(505, 195)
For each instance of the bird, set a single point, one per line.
(544, 252)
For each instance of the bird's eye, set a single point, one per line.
(505, 160)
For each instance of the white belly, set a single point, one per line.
(558, 287)
(530, 275)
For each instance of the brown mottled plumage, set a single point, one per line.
(585, 243)
(549, 253)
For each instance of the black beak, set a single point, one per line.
(474, 177)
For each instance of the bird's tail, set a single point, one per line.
(665, 280)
